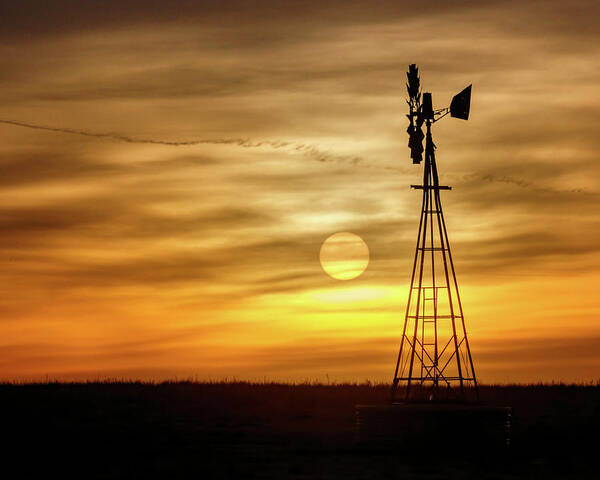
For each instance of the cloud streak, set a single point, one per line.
(308, 150)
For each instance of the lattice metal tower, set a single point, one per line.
(434, 361)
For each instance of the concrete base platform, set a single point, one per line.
(434, 426)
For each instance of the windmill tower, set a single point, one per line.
(434, 361)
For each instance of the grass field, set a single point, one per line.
(272, 431)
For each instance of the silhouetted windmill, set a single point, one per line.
(434, 349)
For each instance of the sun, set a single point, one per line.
(344, 256)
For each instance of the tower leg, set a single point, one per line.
(412, 283)
(420, 255)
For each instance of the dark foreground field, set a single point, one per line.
(245, 431)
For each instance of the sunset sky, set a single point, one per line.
(225, 141)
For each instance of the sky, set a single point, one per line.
(168, 221)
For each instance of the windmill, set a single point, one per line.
(434, 355)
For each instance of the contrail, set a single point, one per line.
(518, 182)
(242, 142)
(308, 150)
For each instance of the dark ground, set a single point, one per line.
(270, 431)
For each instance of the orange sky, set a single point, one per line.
(144, 259)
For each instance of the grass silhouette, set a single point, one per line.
(235, 429)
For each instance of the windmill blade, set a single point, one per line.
(413, 85)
